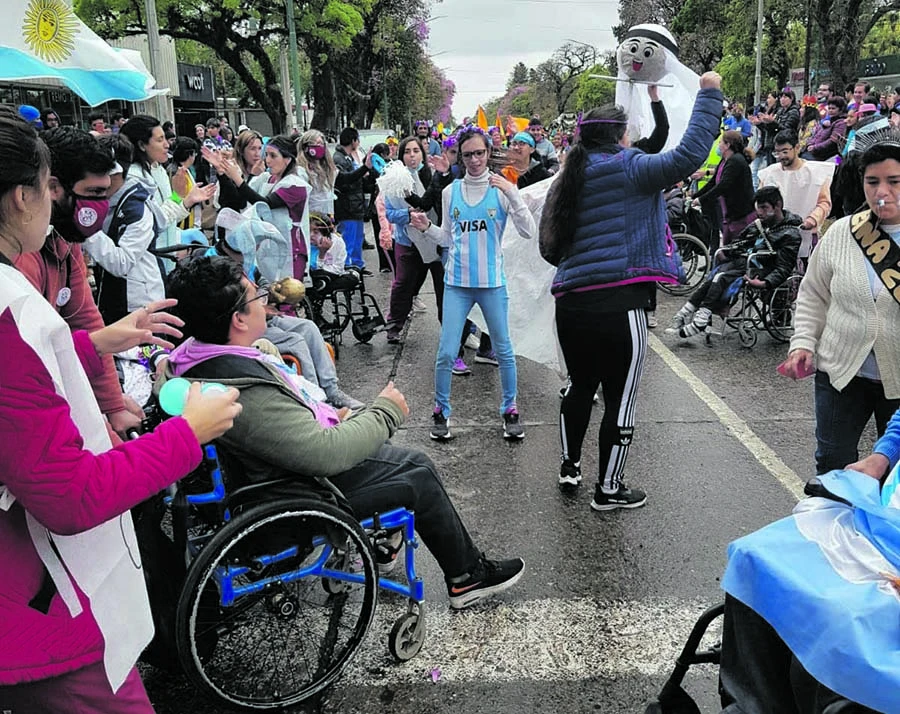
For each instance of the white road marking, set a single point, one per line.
(741, 431)
(552, 639)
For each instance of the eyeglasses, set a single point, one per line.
(478, 154)
(782, 152)
(262, 294)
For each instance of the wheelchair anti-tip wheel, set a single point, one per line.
(254, 626)
(408, 634)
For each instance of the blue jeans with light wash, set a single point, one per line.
(494, 304)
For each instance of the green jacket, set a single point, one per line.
(277, 435)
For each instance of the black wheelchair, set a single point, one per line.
(263, 592)
(335, 301)
(692, 235)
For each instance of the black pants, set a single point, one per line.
(395, 477)
(759, 675)
(709, 294)
(605, 348)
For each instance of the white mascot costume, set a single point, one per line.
(649, 55)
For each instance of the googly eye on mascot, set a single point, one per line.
(649, 55)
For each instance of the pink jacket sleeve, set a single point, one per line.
(91, 361)
(42, 457)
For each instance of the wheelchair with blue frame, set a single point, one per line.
(274, 585)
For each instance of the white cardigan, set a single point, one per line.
(838, 321)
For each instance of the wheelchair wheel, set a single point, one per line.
(694, 260)
(407, 635)
(254, 626)
(779, 314)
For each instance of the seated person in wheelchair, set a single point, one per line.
(328, 257)
(764, 256)
(285, 434)
(812, 600)
(292, 335)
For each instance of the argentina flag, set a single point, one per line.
(43, 39)
(826, 578)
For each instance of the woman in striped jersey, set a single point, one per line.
(475, 211)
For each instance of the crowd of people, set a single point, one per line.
(127, 235)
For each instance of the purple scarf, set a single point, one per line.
(192, 352)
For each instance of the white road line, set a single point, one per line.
(761, 451)
(552, 639)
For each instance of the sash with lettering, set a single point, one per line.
(879, 249)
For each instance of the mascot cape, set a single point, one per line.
(650, 54)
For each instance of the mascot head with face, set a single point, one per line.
(649, 55)
(642, 55)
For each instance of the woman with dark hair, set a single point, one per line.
(73, 601)
(847, 323)
(732, 186)
(828, 138)
(475, 210)
(410, 269)
(49, 118)
(282, 189)
(604, 227)
(787, 116)
(184, 154)
(151, 152)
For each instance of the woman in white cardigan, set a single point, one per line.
(847, 324)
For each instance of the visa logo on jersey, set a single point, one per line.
(476, 225)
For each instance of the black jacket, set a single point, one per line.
(785, 241)
(349, 185)
(735, 185)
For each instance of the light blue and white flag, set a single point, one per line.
(41, 39)
(823, 579)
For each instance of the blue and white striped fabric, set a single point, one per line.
(43, 39)
(821, 578)
(475, 258)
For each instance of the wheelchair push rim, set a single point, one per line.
(694, 260)
(255, 627)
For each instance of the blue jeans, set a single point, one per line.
(842, 416)
(353, 233)
(494, 303)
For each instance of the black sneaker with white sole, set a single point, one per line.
(489, 577)
(387, 550)
(440, 429)
(512, 428)
(624, 497)
(569, 475)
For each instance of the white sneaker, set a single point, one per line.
(472, 342)
(418, 305)
(651, 319)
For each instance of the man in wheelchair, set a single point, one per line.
(763, 257)
(286, 434)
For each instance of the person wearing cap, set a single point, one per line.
(544, 148)
(525, 168)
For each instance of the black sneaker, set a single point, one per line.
(387, 551)
(440, 430)
(623, 498)
(512, 429)
(569, 475)
(488, 578)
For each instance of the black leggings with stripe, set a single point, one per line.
(605, 348)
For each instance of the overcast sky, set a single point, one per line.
(478, 42)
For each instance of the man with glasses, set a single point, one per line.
(804, 185)
(284, 433)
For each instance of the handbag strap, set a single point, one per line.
(879, 249)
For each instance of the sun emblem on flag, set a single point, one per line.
(49, 29)
(492, 213)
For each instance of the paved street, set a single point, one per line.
(721, 445)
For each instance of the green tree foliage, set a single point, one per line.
(883, 37)
(518, 76)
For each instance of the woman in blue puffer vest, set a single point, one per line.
(604, 227)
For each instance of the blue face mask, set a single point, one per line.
(718, 150)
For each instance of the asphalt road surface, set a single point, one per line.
(722, 446)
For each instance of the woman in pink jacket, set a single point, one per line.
(73, 607)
